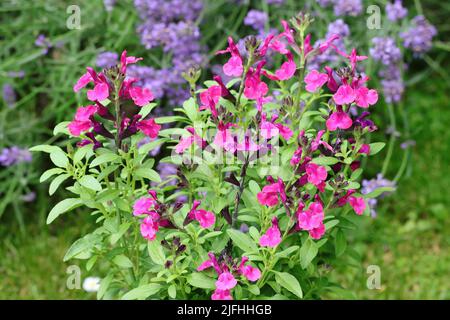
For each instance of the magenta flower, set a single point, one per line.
(226, 281)
(251, 273)
(272, 237)
(205, 218)
(254, 87)
(339, 120)
(344, 95)
(311, 218)
(205, 265)
(82, 82)
(221, 295)
(224, 139)
(82, 121)
(318, 232)
(141, 96)
(287, 69)
(365, 149)
(143, 206)
(358, 204)
(269, 194)
(365, 97)
(186, 142)
(270, 129)
(149, 228)
(316, 174)
(149, 127)
(234, 66)
(99, 93)
(315, 80)
(125, 61)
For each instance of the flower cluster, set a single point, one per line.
(111, 85)
(369, 186)
(14, 155)
(9, 95)
(344, 7)
(419, 36)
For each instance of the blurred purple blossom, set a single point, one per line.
(256, 19)
(275, 2)
(43, 42)
(16, 74)
(419, 36)
(14, 155)
(395, 10)
(347, 7)
(29, 197)
(369, 186)
(407, 144)
(109, 4)
(9, 95)
(107, 59)
(385, 50)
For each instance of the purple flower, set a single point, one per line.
(407, 144)
(385, 50)
(347, 7)
(9, 95)
(16, 74)
(395, 10)
(324, 3)
(109, 4)
(167, 172)
(392, 83)
(14, 155)
(107, 59)
(44, 42)
(29, 197)
(275, 2)
(419, 36)
(369, 186)
(256, 19)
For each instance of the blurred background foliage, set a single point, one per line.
(408, 239)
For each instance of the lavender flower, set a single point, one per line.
(385, 50)
(419, 36)
(369, 186)
(16, 74)
(29, 197)
(395, 10)
(347, 7)
(9, 95)
(275, 2)
(324, 3)
(14, 155)
(407, 144)
(44, 42)
(393, 89)
(107, 59)
(256, 19)
(109, 4)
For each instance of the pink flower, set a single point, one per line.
(251, 273)
(287, 69)
(311, 218)
(125, 61)
(82, 121)
(358, 204)
(254, 87)
(226, 281)
(99, 93)
(82, 82)
(143, 206)
(221, 295)
(205, 265)
(331, 84)
(272, 237)
(141, 96)
(270, 129)
(339, 120)
(365, 148)
(233, 67)
(247, 145)
(344, 95)
(365, 97)
(288, 33)
(315, 80)
(324, 46)
(205, 218)
(149, 228)
(269, 194)
(316, 174)
(186, 142)
(149, 127)
(224, 139)
(318, 232)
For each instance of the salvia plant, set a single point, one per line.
(264, 187)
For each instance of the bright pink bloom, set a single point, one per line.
(316, 174)
(149, 228)
(288, 33)
(82, 121)
(82, 82)
(307, 47)
(339, 120)
(210, 97)
(358, 204)
(141, 96)
(149, 127)
(234, 66)
(272, 237)
(324, 46)
(365, 97)
(226, 281)
(269, 194)
(125, 61)
(365, 148)
(251, 273)
(318, 142)
(99, 93)
(205, 218)
(224, 139)
(221, 295)
(247, 145)
(311, 218)
(287, 69)
(331, 84)
(344, 95)
(318, 232)
(254, 87)
(186, 142)
(270, 129)
(315, 80)
(205, 265)
(143, 206)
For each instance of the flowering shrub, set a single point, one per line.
(267, 175)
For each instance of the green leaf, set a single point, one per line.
(54, 185)
(340, 243)
(150, 174)
(106, 157)
(104, 285)
(123, 261)
(172, 291)
(82, 245)
(49, 173)
(156, 252)
(59, 158)
(308, 252)
(376, 147)
(242, 240)
(254, 187)
(191, 109)
(325, 161)
(62, 207)
(91, 183)
(61, 128)
(81, 153)
(377, 192)
(142, 292)
(162, 120)
(200, 280)
(45, 148)
(289, 282)
(146, 148)
(145, 110)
